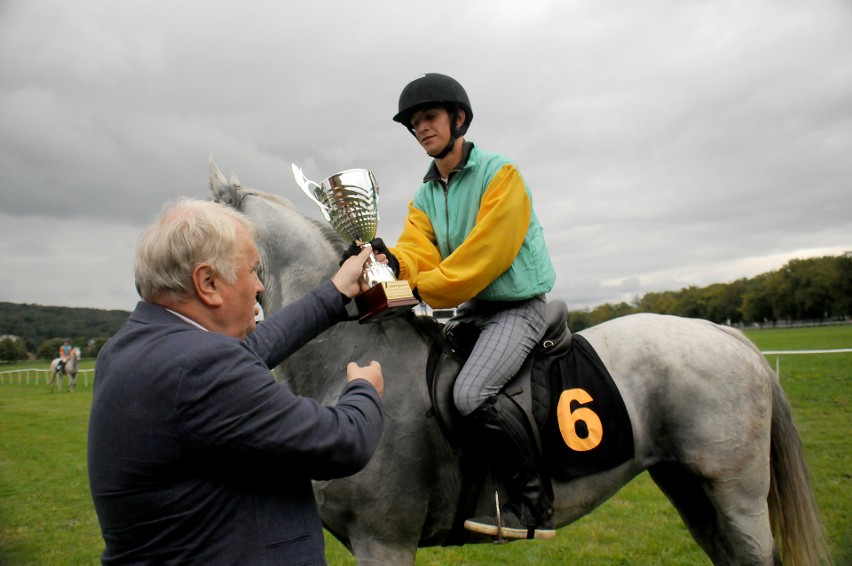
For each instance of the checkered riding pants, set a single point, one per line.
(507, 336)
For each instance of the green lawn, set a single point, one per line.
(46, 516)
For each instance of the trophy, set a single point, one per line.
(349, 201)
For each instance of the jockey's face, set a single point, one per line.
(432, 128)
(239, 307)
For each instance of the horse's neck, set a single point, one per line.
(317, 370)
(296, 254)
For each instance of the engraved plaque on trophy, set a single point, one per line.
(349, 201)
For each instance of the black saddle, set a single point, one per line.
(530, 394)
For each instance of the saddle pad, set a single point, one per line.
(588, 429)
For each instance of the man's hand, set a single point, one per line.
(371, 373)
(348, 277)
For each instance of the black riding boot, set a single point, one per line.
(499, 429)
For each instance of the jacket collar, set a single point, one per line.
(434, 175)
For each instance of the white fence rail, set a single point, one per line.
(779, 353)
(33, 376)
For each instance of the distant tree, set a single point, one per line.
(607, 312)
(690, 303)
(7, 350)
(814, 288)
(780, 292)
(12, 350)
(81, 342)
(37, 323)
(757, 301)
(842, 286)
(579, 320)
(660, 303)
(94, 348)
(722, 301)
(49, 349)
(811, 293)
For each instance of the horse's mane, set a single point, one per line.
(328, 233)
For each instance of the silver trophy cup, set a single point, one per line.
(349, 201)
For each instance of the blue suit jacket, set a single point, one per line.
(196, 454)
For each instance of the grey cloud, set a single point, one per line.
(664, 141)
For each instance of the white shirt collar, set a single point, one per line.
(189, 320)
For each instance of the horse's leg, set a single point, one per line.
(726, 518)
(375, 535)
(685, 492)
(369, 552)
(378, 519)
(72, 382)
(743, 516)
(52, 380)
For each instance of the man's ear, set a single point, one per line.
(206, 285)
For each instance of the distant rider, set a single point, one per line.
(64, 355)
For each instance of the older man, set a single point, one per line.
(196, 454)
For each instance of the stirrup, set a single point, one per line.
(505, 526)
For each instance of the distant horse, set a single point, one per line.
(70, 371)
(710, 422)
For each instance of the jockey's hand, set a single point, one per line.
(379, 249)
(348, 278)
(371, 373)
(353, 249)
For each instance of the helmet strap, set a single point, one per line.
(454, 131)
(444, 152)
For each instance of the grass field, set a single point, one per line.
(46, 515)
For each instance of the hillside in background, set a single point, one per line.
(37, 324)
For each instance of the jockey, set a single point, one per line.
(64, 354)
(473, 239)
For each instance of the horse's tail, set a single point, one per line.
(793, 511)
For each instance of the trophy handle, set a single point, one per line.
(310, 188)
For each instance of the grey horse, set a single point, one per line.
(711, 423)
(69, 371)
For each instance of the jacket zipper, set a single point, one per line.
(447, 212)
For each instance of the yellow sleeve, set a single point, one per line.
(489, 249)
(416, 248)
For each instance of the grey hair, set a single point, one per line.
(187, 233)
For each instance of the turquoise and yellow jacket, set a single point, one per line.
(477, 236)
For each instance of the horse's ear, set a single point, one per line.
(223, 191)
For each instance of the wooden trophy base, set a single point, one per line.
(385, 300)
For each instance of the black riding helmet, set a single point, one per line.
(434, 89)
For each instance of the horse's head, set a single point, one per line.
(296, 252)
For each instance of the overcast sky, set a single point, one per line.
(667, 143)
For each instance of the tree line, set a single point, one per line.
(42, 329)
(815, 289)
